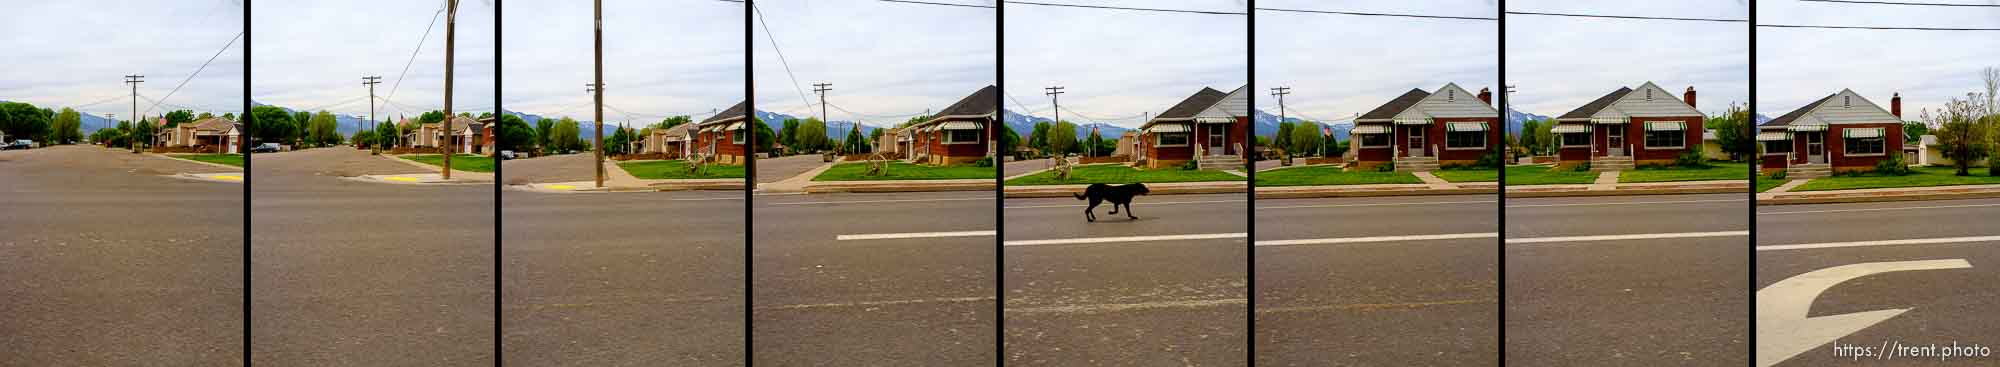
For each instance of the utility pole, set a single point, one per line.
(821, 89)
(1506, 94)
(597, 86)
(134, 81)
(113, 117)
(1055, 100)
(371, 81)
(450, 42)
(1280, 92)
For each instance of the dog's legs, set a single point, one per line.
(1128, 211)
(1114, 207)
(1089, 212)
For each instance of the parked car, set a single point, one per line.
(19, 144)
(265, 148)
(506, 155)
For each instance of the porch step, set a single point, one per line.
(1220, 162)
(1605, 164)
(1416, 164)
(1805, 171)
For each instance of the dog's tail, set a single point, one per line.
(1078, 195)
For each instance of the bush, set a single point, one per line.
(1190, 166)
(1489, 160)
(1779, 175)
(1691, 159)
(984, 162)
(1585, 167)
(1385, 168)
(1892, 165)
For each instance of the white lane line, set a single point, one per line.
(895, 236)
(1411, 238)
(1879, 209)
(1091, 240)
(1911, 241)
(708, 199)
(1144, 203)
(1629, 203)
(879, 201)
(1117, 307)
(1627, 237)
(1374, 204)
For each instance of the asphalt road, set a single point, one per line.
(1146, 301)
(1945, 305)
(1354, 281)
(108, 263)
(781, 168)
(1674, 293)
(352, 273)
(623, 279)
(922, 301)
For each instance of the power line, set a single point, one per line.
(1378, 14)
(1628, 17)
(413, 52)
(1899, 3)
(781, 54)
(1128, 8)
(934, 3)
(1876, 28)
(197, 71)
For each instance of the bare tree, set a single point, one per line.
(1991, 76)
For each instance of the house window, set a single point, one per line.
(1576, 140)
(1172, 140)
(736, 136)
(1862, 146)
(1666, 139)
(1778, 147)
(1374, 140)
(961, 136)
(1465, 140)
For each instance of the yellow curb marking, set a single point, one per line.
(400, 178)
(227, 177)
(562, 187)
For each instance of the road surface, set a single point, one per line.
(551, 168)
(1673, 291)
(352, 273)
(782, 168)
(107, 262)
(1378, 281)
(923, 300)
(1122, 292)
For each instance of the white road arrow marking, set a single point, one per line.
(1784, 331)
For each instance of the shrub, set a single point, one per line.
(1190, 166)
(984, 162)
(1691, 159)
(1385, 168)
(1779, 175)
(1585, 167)
(1489, 160)
(1892, 165)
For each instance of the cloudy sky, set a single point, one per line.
(1560, 63)
(1336, 64)
(661, 58)
(887, 61)
(1116, 65)
(1797, 66)
(77, 53)
(311, 54)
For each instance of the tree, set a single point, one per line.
(1962, 137)
(322, 130)
(764, 139)
(854, 143)
(1009, 141)
(1732, 131)
(513, 133)
(1039, 137)
(567, 137)
(1093, 142)
(1913, 131)
(431, 117)
(1283, 140)
(810, 137)
(876, 135)
(1305, 139)
(1062, 138)
(67, 128)
(24, 121)
(787, 134)
(618, 142)
(387, 135)
(1528, 141)
(208, 115)
(178, 117)
(363, 136)
(270, 124)
(544, 129)
(141, 134)
(672, 121)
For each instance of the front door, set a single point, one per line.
(1615, 141)
(1416, 143)
(1218, 138)
(1816, 147)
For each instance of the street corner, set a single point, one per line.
(229, 177)
(418, 179)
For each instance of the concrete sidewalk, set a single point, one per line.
(1776, 197)
(457, 176)
(1164, 188)
(216, 165)
(1601, 188)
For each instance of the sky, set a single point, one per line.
(1117, 65)
(1334, 63)
(887, 61)
(1798, 66)
(1560, 63)
(77, 53)
(311, 54)
(661, 58)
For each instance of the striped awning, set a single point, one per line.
(960, 125)
(1863, 132)
(1774, 136)
(1214, 120)
(1619, 120)
(734, 126)
(1806, 127)
(1168, 128)
(1666, 126)
(1570, 129)
(1413, 121)
(1464, 126)
(1370, 129)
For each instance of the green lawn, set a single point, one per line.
(1468, 174)
(858, 171)
(1766, 183)
(1919, 177)
(459, 162)
(1542, 175)
(678, 170)
(229, 159)
(1330, 175)
(1714, 171)
(1120, 174)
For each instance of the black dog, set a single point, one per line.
(1117, 195)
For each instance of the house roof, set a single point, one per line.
(677, 130)
(216, 124)
(981, 102)
(1192, 105)
(732, 114)
(1395, 106)
(1796, 114)
(1590, 109)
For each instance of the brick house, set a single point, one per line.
(1839, 133)
(959, 134)
(1211, 128)
(671, 142)
(468, 130)
(722, 137)
(214, 134)
(1630, 126)
(1420, 131)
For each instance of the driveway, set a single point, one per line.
(553, 168)
(781, 168)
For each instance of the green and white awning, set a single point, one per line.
(1570, 129)
(1168, 128)
(1807, 127)
(1774, 136)
(960, 125)
(1863, 132)
(1214, 120)
(1614, 120)
(1413, 121)
(1464, 126)
(1370, 129)
(1666, 126)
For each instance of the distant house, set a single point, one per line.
(424, 135)
(1839, 133)
(721, 138)
(1420, 131)
(1210, 127)
(213, 134)
(1630, 126)
(959, 134)
(480, 132)
(671, 142)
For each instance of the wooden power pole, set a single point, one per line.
(450, 26)
(597, 85)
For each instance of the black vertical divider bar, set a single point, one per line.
(1000, 184)
(244, 149)
(749, 177)
(1250, 186)
(499, 322)
(1500, 206)
(1750, 284)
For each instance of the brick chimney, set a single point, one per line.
(1896, 105)
(1486, 95)
(1689, 96)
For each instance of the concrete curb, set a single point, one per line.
(1835, 197)
(1058, 191)
(217, 165)
(1262, 194)
(399, 158)
(1743, 189)
(894, 186)
(417, 179)
(230, 177)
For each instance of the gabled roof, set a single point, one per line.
(1796, 114)
(677, 130)
(732, 114)
(216, 124)
(1590, 109)
(1192, 105)
(982, 102)
(1395, 106)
